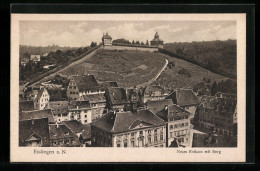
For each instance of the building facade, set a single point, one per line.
(125, 129)
(80, 111)
(35, 58)
(42, 99)
(60, 110)
(153, 93)
(83, 85)
(106, 39)
(157, 41)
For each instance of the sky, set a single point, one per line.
(82, 33)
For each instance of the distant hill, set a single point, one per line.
(24, 50)
(218, 56)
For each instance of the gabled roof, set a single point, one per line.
(117, 95)
(38, 127)
(74, 125)
(79, 105)
(86, 83)
(40, 92)
(106, 84)
(36, 114)
(153, 88)
(158, 105)
(86, 134)
(60, 131)
(173, 111)
(95, 98)
(183, 97)
(59, 107)
(26, 106)
(126, 121)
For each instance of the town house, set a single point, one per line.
(216, 113)
(153, 93)
(97, 104)
(106, 40)
(80, 111)
(83, 85)
(62, 136)
(37, 114)
(186, 99)
(34, 132)
(178, 127)
(117, 99)
(60, 110)
(42, 99)
(126, 129)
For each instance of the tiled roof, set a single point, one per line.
(79, 105)
(117, 95)
(26, 106)
(95, 98)
(156, 106)
(157, 40)
(59, 107)
(183, 97)
(124, 121)
(86, 83)
(60, 131)
(153, 88)
(106, 84)
(36, 114)
(74, 125)
(173, 111)
(39, 127)
(86, 134)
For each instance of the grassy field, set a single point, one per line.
(127, 67)
(184, 75)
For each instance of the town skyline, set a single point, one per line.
(82, 33)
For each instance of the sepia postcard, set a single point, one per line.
(128, 88)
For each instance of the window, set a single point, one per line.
(149, 131)
(118, 145)
(155, 138)
(132, 143)
(171, 134)
(141, 132)
(161, 137)
(187, 139)
(70, 92)
(86, 121)
(182, 124)
(171, 119)
(132, 134)
(186, 124)
(175, 126)
(155, 131)
(86, 116)
(149, 140)
(171, 126)
(125, 144)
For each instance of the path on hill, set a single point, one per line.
(70, 65)
(154, 78)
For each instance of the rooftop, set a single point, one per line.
(59, 107)
(79, 105)
(86, 83)
(36, 114)
(60, 131)
(95, 98)
(36, 127)
(159, 105)
(117, 95)
(127, 121)
(106, 36)
(173, 111)
(183, 97)
(74, 125)
(26, 106)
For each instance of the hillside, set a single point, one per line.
(217, 56)
(127, 67)
(24, 50)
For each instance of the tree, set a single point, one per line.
(142, 43)
(93, 44)
(137, 42)
(147, 42)
(214, 89)
(133, 42)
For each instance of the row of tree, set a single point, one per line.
(124, 41)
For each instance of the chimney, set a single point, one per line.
(166, 107)
(57, 125)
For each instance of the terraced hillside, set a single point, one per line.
(184, 75)
(127, 67)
